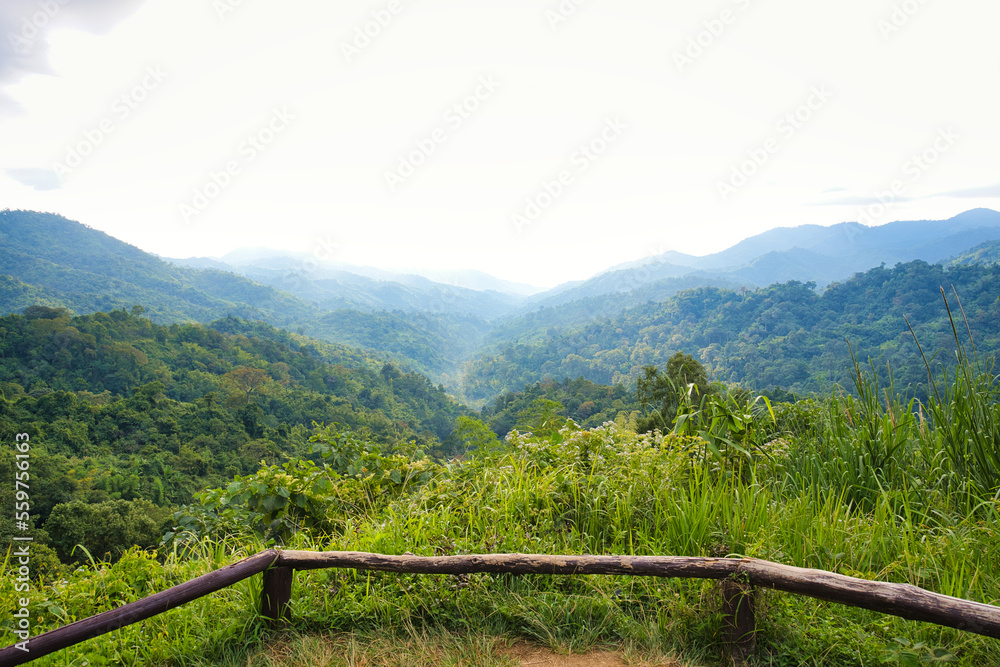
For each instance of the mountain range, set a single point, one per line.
(333, 286)
(437, 326)
(808, 253)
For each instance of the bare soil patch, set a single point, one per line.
(533, 654)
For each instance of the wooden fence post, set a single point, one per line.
(276, 595)
(738, 613)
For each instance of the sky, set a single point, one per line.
(539, 141)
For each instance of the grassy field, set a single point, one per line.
(866, 484)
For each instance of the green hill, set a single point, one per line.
(53, 261)
(984, 253)
(132, 409)
(786, 335)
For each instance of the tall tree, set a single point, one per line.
(247, 381)
(662, 391)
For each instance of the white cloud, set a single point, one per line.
(26, 26)
(38, 179)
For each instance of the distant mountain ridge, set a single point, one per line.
(893, 242)
(807, 253)
(331, 286)
(88, 271)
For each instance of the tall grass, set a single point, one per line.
(965, 417)
(864, 445)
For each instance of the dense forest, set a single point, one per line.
(129, 410)
(786, 335)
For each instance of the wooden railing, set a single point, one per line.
(740, 576)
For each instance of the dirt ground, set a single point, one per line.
(530, 654)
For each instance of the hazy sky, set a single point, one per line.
(540, 141)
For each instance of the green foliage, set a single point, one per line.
(122, 410)
(105, 530)
(472, 434)
(356, 477)
(280, 500)
(914, 654)
(684, 381)
(738, 430)
(541, 418)
(966, 422)
(140, 406)
(966, 417)
(587, 403)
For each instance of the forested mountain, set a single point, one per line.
(73, 266)
(786, 335)
(553, 321)
(52, 261)
(984, 253)
(808, 253)
(127, 408)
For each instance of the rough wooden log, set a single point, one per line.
(901, 600)
(276, 595)
(652, 566)
(140, 610)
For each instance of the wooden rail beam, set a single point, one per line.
(140, 610)
(740, 577)
(901, 600)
